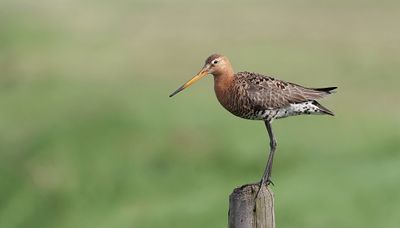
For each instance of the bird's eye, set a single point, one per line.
(215, 62)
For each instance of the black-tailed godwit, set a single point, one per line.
(258, 97)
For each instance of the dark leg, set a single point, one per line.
(272, 144)
(268, 168)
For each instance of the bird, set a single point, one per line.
(255, 96)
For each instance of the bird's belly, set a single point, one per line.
(242, 109)
(290, 110)
(248, 112)
(270, 114)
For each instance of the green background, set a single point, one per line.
(89, 137)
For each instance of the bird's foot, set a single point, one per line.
(269, 182)
(261, 184)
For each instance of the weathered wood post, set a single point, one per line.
(245, 211)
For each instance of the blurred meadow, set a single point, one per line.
(90, 138)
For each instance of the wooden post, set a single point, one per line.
(247, 212)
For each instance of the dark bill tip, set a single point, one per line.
(176, 91)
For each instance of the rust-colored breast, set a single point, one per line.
(231, 94)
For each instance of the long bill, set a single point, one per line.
(199, 76)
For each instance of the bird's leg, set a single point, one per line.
(266, 178)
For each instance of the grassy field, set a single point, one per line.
(89, 137)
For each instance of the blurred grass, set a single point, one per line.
(90, 138)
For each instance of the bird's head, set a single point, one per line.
(215, 64)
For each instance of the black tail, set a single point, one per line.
(323, 109)
(327, 90)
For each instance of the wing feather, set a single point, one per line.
(269, 93)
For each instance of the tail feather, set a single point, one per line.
(328, 90)
(317, 93)
(322, 108)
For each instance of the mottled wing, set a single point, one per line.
(269, 93)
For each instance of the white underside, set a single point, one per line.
(291, 110)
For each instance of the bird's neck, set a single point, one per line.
(223, 84)
(223, 81)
